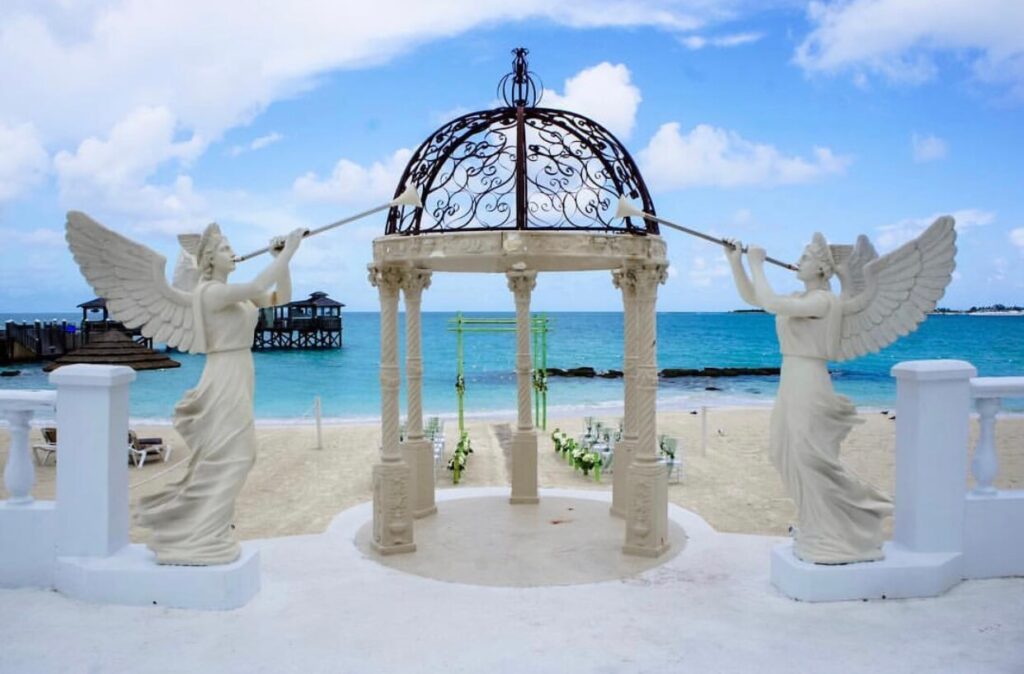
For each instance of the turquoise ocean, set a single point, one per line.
(346, 379)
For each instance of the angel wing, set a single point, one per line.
(131, 278)
(851, 269)
(899, 289)
(186, 269)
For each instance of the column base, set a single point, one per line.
(419, 456)
(621, 461)
(647, 519)
(392, 509)
(524, 468)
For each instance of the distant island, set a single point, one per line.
(1001, 309)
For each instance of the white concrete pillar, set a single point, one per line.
(92, 459)
(933, 402)
(625, 280)
(524, 440)
(392, 493)
(647, 514)
(417, 451)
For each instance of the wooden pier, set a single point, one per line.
(312, 323)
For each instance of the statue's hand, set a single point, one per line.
(733, 250)
(756, 254)
(277, 245)
(291, 243)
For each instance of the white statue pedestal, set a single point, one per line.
(132, 577)
(903, 574)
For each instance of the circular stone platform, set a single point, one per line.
(486, 541)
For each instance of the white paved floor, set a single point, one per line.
(326, 607)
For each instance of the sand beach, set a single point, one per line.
(297, 489)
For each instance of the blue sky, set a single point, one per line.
(765, 121)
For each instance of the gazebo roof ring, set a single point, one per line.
(521, 167)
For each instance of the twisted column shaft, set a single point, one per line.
(387, 281)
(647, 278)
(522, 283)
(414, 282)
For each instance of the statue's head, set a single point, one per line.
(818, 263)
(213, 253)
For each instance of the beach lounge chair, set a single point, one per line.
(46, 448)
(140, 449)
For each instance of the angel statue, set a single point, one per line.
(839, 516)
(191, 520)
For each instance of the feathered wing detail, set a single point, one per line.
(851, 270)
(186, 273)
(131, 278)
(899, 289)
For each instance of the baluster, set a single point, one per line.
(985, 464)
(19, 474)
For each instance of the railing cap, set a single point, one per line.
(82, 374)
(997, 387)
(933, 370)
(33, 400)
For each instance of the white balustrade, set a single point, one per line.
(988, 393)
(18, 408)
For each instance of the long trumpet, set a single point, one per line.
(626, 209)
(408, 197)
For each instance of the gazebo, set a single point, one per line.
(518, 190)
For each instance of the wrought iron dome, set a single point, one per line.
(521, 167)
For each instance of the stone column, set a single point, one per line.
(647, 513)
(392, 494)
(524, 440)
(625, 280)
(417, 451)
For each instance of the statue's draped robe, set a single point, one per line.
(839, 515)
(191, 520)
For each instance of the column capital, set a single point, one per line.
(640, 277)
(385, 278)
(521, 282)
(415, 281)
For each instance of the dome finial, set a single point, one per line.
(518, 88)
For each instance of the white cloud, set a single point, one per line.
(135, 147)
(76, 69)
(110, 175)
(899, 39)
(896, 234)
(712, 156)
(34, 237)
(603, 92)
(703, 273)
(928, 148)
(350, 182)
(695, 42)
(256, 144)
(1017, 238)
(23, 161)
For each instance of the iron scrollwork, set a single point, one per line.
(521, 167)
